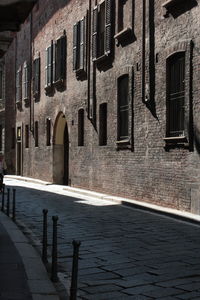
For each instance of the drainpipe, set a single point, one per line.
(88, 56)
(143, 48)
(30, 75)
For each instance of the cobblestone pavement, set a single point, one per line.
(125, 253)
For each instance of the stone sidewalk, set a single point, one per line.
(22, 276)
(126, 253)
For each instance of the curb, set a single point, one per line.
(145, 206)
(38, 281)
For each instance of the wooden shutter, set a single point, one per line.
(37, 76)
(19, 85)
(108, 27)
(46, 67)
(75, 39)
(82, 40)
(58, 59)
(94, 33)
(63, 57)
(54, 62)
(26, 81)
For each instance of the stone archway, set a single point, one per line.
(60, 150)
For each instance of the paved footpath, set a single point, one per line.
(126, 253)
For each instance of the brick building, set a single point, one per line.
(104, 96)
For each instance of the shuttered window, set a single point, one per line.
(175, 95)
(19, 85)
(36, 77)
(101, 29)
(79, 45)
(25, 81)
(123, 107)
(59, 59)
(48, 66)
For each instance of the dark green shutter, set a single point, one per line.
(94, 33)
(46, 67)
(54, 62)
(82, 35)
(75, 39)
(63, 57)
(37, 75)
(108, 28)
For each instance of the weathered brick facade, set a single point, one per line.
(148, 167)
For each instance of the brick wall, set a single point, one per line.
(146, 171)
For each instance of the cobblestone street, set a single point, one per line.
(125, 253)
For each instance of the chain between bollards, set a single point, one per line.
(44, 240)
(8, 202)
(74, 280)
(3, 197)
(54, 276)
(14, 202)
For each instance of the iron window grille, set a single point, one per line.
(176, 95)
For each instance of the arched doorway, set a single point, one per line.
(61, 151)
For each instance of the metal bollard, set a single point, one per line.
(8, 202)
(13, 208)
(74, 280)
(54, 276)
(3, 195)
(44, 240)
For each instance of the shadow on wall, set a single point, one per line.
(41, 17)
(182, 8)
(197, 139)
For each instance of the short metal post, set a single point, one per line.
(8, 202)
(44, 240)
(74, 280)
(13, 212)
(54, 276)
(3, 195)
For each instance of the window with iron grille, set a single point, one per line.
(79, 45)
(36, 134)
(81, 127)
(36, 78)
(175, 95)
(19, 85)
(123, 108)
(101, 30)
(48, 131)
(26, 136)
(103, 124)
(25, 81)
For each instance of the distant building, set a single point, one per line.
(105, 96)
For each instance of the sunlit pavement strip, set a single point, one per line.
(125, 254)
